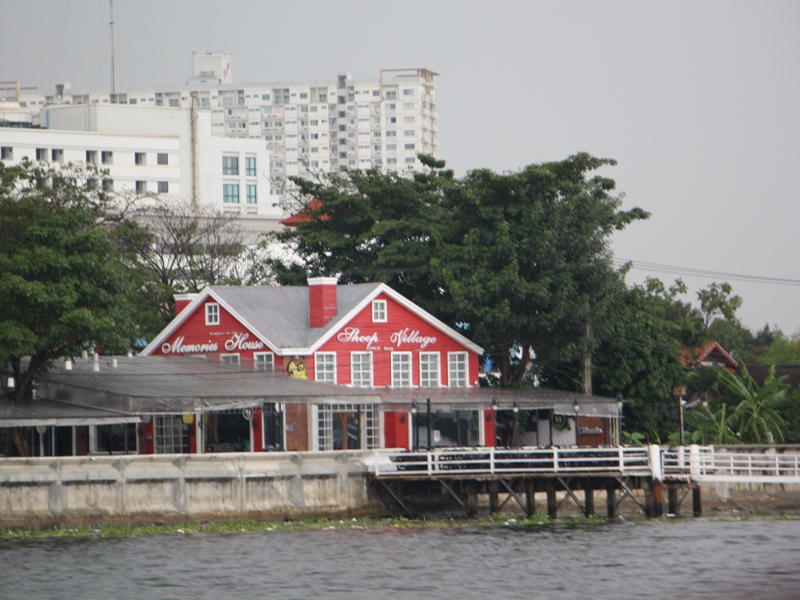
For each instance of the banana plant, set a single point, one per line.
(756, 418)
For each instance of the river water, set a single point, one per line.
(673, 559)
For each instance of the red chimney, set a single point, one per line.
(321, 300)
(182, 301)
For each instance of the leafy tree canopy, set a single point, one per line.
(520, 261)
(782, 350)
(63, 287)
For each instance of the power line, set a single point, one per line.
(692, 272)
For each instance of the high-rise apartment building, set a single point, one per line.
(307, 126)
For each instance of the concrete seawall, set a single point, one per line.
(71, 491)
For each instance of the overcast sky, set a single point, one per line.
(699, 102)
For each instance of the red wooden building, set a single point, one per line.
(322, 367)
(364, 335)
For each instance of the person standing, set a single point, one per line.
(297, 368)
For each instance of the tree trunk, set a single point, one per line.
(505, 367)
(524, 361)
(20, 443)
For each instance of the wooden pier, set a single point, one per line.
(641, 475)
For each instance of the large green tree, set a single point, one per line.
(527, 261)
(519, 261)
(638, 356)
(367, 226)
(63, 287)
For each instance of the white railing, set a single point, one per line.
(688, 463)
(514, 461)
(706, 463)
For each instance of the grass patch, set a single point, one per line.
(250, 526)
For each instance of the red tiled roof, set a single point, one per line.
(304, 216)
(712, 352)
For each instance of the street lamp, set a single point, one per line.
(515, 408)
(576, 407)
(704, 404)
(414, 428)
(620, 400)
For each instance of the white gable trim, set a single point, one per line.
(173, 325)
(405, 303)
(190, 309)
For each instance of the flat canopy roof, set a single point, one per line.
(46, 412)
(157, 384)
(142, 385)
(559, 401)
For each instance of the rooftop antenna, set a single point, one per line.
(113, 74)
(208, 42)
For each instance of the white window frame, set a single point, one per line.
(227, 359)
(380, 312)
(403, 360)
(267, 366)
(212, 313)
(426, 381)
(168, 434)
(94, 438)
(320, 359)
(450, 370)
(369, 425)
(353, 356)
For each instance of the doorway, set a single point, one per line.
(346, 431)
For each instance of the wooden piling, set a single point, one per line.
(611, 500)
(472, 499)
(530, 497)
(494, 497)
(552, 505)
(654, 499)
(672, 501)
(588, 497)
(697, 502)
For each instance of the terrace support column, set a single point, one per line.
(530, 497)
(588, 497)
(552, 505)
(494, 498)
(697, 502)
(611, 500)
(672, 501)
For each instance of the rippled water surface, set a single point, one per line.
(681, 559)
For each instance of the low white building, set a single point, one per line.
(155, 151)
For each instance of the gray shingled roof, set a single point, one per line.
(280, 314)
